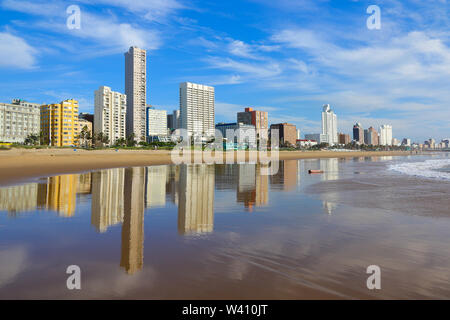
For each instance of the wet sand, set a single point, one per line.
(18, 165)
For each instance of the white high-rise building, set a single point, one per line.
(110, 113)
(197, 109)
(329, 125)
(386, 135)
(136, 91)
(18, 120)
(156, 122)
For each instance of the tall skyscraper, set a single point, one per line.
(136, 92)
(110, 114)
(259, 119)
(59, 123)
(358, 133)
(197, 109)
(386, 135)
(329, 125)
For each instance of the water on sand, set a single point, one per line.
(228, 232)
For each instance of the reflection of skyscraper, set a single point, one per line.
(19, 198)
(196, 202)
(107, 198)
(330, 168)
(156, 186)
(84, 183)
(59, 194)
(132, 258)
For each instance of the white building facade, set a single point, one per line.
(136, 92)
(156, 122)
(18, 120)
(197, 109)
(386, 135)
(110, 114)
(329, 125)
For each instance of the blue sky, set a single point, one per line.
(286, 57)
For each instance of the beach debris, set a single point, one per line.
(315, 171)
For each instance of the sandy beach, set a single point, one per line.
(18, 165)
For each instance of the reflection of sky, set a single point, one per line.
(285, 246)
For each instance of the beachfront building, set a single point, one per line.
(156, 124)
(386, 135)
(19, 119)
(329, 125)
(320, 138)
(110, 114)
(287, 133)
(240, 135)
(197, 110)
(358, 133)
(305, 143)
(136, 92)
(344, 138)
(372, 136)
(259, 119)
(59, 123)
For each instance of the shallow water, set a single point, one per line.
(228, 232)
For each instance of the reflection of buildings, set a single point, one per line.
(59, 194)
(329, 207)
(226, 176)
(107, 198)
(330, 168)
(156, 186)
(19, 198)
(84, 183)
(252, 186)
(196, 199)
(286, 177)
(132, 258)
(172, 183)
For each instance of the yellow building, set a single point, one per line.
(59, 123)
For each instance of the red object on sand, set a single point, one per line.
(315, 171)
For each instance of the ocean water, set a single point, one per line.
(229, 232)
(432, 168)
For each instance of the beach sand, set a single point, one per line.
(17, 165)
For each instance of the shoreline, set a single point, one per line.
(20, 165)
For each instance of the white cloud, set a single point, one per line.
(15, 52)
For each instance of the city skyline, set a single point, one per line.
(275, 68)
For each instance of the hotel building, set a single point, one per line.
(386, 135)
(110, 114)
(18, 120)
(156, 122)
(136, 92)
(329, 125)
(59, 123)
(197, 109)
